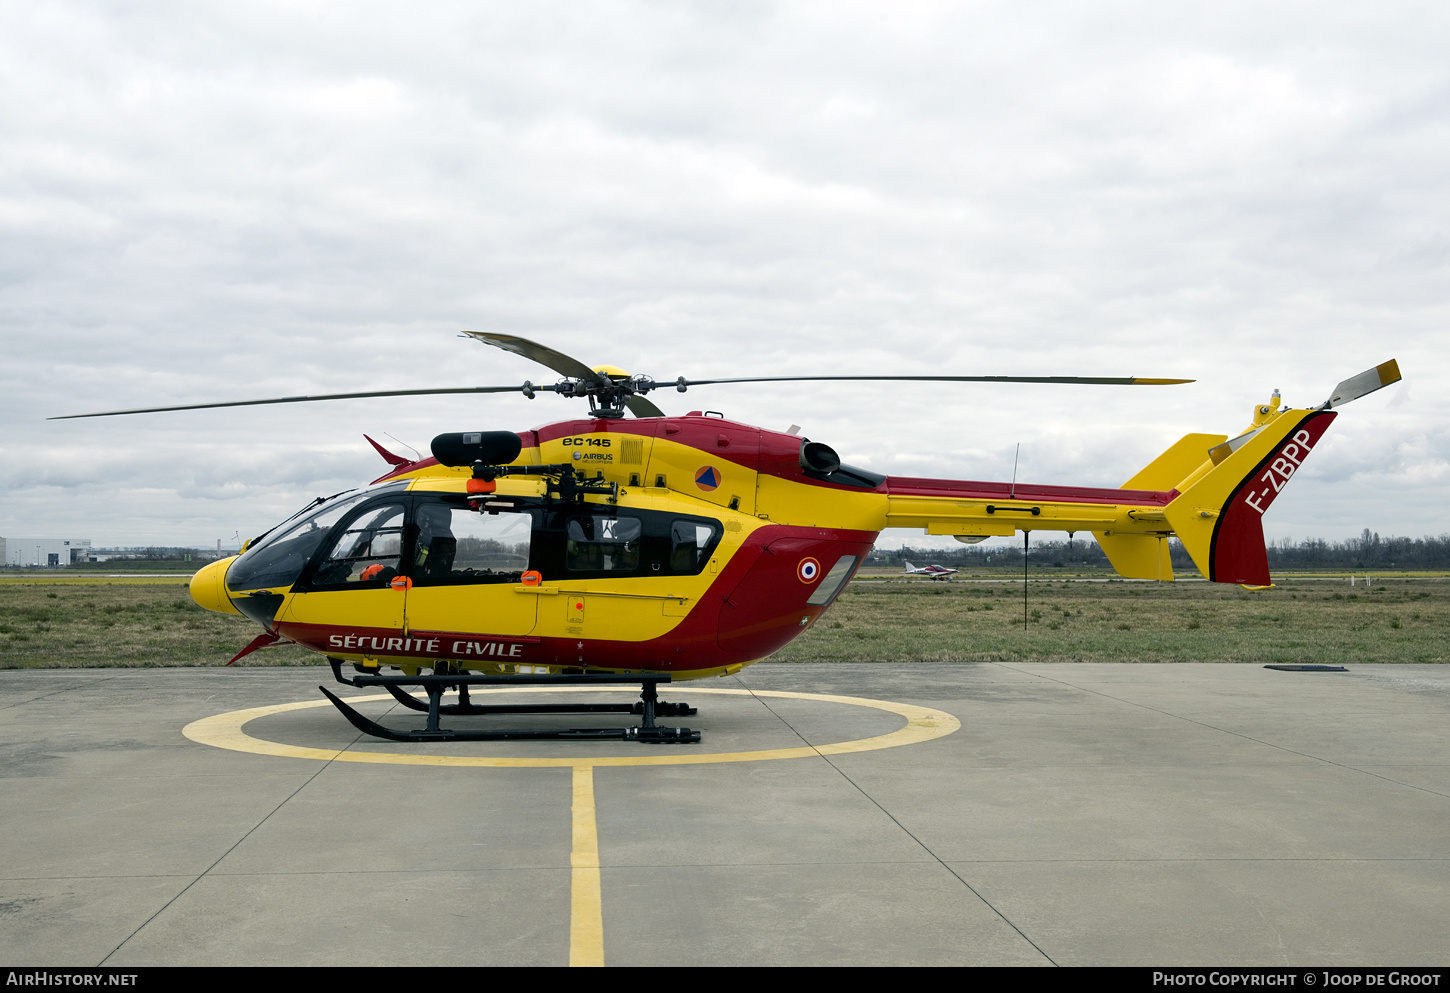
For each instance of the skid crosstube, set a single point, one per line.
(435, 684)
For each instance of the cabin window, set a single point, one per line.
(369, 550)
(691, 543)
(457, 545)
(833, 583)
(602, 544)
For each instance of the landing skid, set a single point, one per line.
(649, 707)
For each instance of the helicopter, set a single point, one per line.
(656, 548)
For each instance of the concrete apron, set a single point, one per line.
(1079, 815)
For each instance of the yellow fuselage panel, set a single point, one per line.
(596, 610)
(615, 454)
(372, 608)
(707, 475)
(785, 501)
(495, 608)
(718, 469)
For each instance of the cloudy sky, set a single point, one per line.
(223, 201)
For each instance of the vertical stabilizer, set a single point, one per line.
(1219, 516)
(1177, 464)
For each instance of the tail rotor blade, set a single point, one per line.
(1364, 384)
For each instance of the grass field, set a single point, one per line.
(1304, 620)
(71, 621)
(94, 621)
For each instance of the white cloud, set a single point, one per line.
(203, 202)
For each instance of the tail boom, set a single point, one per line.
(1215, 506)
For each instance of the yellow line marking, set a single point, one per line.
(922, 724)
(586, 906)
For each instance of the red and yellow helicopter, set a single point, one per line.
(654, 548)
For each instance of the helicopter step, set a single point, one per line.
(649, 707)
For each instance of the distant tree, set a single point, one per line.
(1367, 551)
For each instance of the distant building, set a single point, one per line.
(44, 551)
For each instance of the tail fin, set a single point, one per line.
(1177, 464)
(1219, 513)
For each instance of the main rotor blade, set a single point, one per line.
(1068, 380)
(309, 399)
(640, 407)
(1364, 384)
(563, 364)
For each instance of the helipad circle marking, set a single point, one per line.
(922, 724)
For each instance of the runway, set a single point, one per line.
(1023, 814)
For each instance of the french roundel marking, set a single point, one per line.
(808, 571)
(707, 477)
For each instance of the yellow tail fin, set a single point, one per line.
(1219, 514)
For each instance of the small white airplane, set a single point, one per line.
(930, 571)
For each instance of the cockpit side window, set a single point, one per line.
(457, 545)
(368, 551)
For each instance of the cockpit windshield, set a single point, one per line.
(279, 557)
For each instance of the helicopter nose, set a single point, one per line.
(209, 589)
